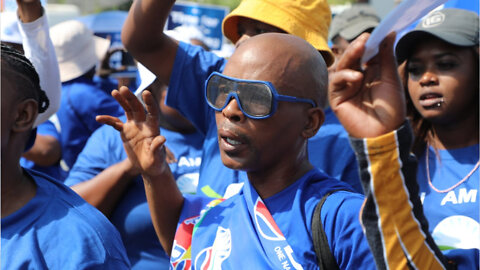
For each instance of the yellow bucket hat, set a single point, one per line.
(308, 19)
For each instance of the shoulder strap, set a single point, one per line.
(326, 260)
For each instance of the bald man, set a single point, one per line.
(267, 107)
(184, 68)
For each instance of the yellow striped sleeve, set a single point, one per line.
(392, 216)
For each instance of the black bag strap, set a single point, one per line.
(326, 260)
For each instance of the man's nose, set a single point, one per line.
(232, 111)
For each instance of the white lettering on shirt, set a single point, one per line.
(189, 162)
(286, 259)
(285, 265)
(280, 254)
(289, 251)
(463, 196)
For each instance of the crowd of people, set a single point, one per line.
(287, 154)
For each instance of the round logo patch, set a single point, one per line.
(433, 20)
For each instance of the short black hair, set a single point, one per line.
(29, 83)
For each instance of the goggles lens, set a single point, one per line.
(256, 99)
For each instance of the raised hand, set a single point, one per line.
(29, 10)
(144, 146)
(371, 102)
(140, 133)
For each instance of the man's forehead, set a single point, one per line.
(254, 63)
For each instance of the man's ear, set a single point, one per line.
(26, 113)
(316, 116)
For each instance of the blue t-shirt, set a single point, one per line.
(235, 235)
(81, 102)
(329, 150)
(58, 230)
(453, 216)
(46, 128)
(131, 216)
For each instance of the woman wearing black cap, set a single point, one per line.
(426, 218)
(442, 93)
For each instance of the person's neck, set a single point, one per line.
(17, 188)
(456, 135)
(271, 181)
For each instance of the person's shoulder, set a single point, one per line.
(75, 209)
(318, 182)
(68, 220)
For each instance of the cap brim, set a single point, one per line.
(408, 42)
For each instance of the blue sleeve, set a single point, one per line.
(47, 128)
(340, 218)
(103, 149)
(97, 102)
(186, 91)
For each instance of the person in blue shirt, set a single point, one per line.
(425, 218)
(78, 52)
(266, 106)
(44, 224)
(442, 91)
(105, 177)
(185, 68)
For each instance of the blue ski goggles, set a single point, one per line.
(256, 99)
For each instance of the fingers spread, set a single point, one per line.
(135, 107)
(123, 102)
(153, 109)
(111, 121)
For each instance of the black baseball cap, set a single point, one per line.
(455, 26)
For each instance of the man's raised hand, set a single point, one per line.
(140, 133)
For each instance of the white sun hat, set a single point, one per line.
(78, 49)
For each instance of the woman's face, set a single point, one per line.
(443, 81)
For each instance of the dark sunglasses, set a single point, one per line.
(256, 99)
